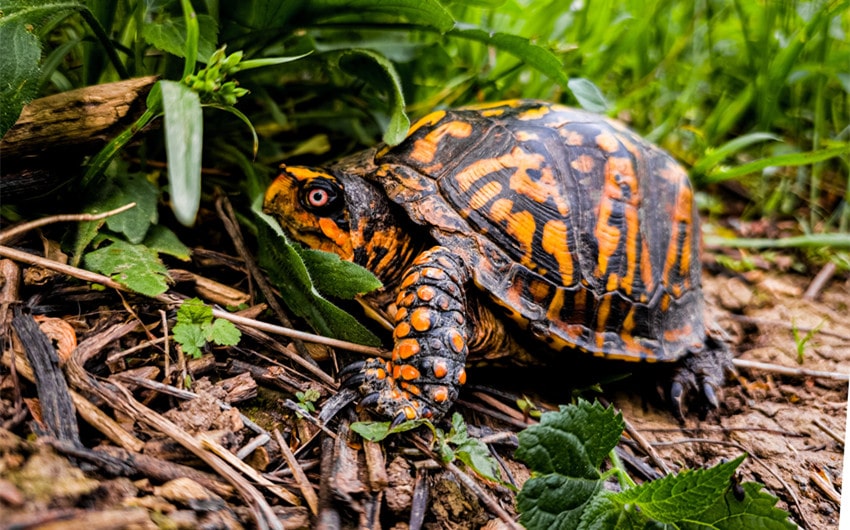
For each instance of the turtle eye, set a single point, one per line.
(322, 197)
(318, 197)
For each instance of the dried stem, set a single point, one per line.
(64, 218)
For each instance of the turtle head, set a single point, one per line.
(342, 213)
(310, 205)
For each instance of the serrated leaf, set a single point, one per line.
(336, 277)
(224, 333)
(595, 428)
(378, 71)
(533, 55)
(564, 451)
(184, 130)
(164, 241)
(191, 337)
(135, 266)
(555, 501)
(287, 271)
(603, 513)
(169, 35)
(588, 94)
(194, 311)
(683, 496)
(19, 72)
(20, 52)
(756, 510)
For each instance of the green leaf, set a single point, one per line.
(603, 513)
(164, 241)
(19, 71)
(421, 12)
(193, 36)
(564, 451)
(169, 35)
(533, 55)
(587, 94)
(469, 450)
(378, 71)
(717, 155)
(474, 453)
(20, 52)
(287, 271)
(191, 337)
(183, 139)
(195, 327)
(376, 431)
(121, 189)
(224, 333)
(683, 496)
(135, 266)
(831, 240)
(789, 159)
(249, 64)
(336, 277)
(194, 311)
(757, 509)
(124, 189)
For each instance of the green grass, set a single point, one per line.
(758, 92)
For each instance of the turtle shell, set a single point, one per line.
(580, 230)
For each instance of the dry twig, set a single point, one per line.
(93, 277)
(788, 370)
(74, 217)
(300, 477)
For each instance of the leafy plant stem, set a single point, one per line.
(102, 159)
(193, 33)
(104, 39)
(619, 469)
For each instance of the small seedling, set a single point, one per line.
(802, 341)
(196, 327)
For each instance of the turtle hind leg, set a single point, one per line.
(700, 378)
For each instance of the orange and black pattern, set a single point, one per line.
(577, 225)
(563, 221)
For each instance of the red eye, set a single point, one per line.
(318, 197)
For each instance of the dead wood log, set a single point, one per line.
(56, 132)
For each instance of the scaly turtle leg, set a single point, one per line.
(431, 334)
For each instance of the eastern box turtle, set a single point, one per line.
(563, 221)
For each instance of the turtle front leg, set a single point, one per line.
(423, 378)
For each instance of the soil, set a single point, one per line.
(791, 425)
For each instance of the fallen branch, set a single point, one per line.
(787, 370)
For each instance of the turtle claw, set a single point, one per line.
(677, 398)
(699, 378)
(350, 370)
(369, 400)
(400, 418)
(710, 394)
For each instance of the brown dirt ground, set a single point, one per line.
(780, 420)
(774, 418)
